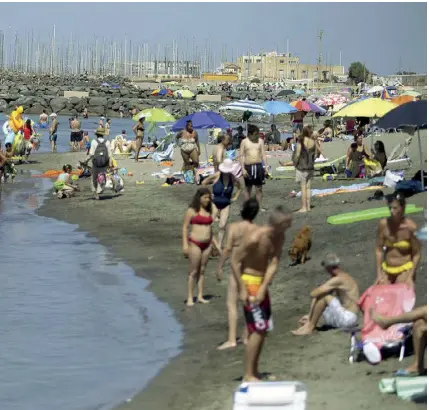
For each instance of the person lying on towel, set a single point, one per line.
(335, 301)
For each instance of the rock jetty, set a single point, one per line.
(44, 92)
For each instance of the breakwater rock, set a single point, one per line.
(38, 93)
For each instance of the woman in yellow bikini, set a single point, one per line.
(397, 250)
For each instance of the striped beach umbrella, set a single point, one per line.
(245, 105)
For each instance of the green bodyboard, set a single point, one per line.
(368, 214)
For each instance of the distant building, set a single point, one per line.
(276, 67)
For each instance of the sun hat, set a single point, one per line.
(100, 131)
(53, 115)
(227, 166)
(141, 116)
(331, 260)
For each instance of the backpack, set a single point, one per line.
(101, 155)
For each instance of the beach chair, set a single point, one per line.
(166, 155)
(387, 300)
(399, 155)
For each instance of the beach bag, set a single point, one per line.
(101, 155)
(391, 179)
(101, 179)
(118, 183)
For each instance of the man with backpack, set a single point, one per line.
(101, 155)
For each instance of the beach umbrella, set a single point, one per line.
(412, 114)
(299, 92)
(184, 94)
(155, 92)
(368, 107)
(375, 89)
(285, 93)
(201, 120)
(155, 115)
(402, 99)
(279, 107)
(307, 106)
(412, 93)
(245, 105)
(385, 94)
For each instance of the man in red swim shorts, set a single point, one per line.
(254, 267)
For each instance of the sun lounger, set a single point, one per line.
(387, 300)
(399, 155)
(166, 155)
(317, 166)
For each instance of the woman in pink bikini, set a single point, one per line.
(197, 245)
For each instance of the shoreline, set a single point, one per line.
(200, 376)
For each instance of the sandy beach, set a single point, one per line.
(143, 227)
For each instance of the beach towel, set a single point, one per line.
(387, 300)
(406, 388)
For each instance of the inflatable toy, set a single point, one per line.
(368, 214)
(15, 120)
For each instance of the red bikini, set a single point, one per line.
(201, 220)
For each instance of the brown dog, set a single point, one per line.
(300, 246)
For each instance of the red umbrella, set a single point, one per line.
(307, 106)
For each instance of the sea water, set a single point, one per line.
(79, 331)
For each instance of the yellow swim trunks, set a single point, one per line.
(396, 270)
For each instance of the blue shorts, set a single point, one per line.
(297, 126)
(53, 137)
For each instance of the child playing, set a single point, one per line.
(86, 142)
(63, 185)
(9, 168)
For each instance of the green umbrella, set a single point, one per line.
(155, 115)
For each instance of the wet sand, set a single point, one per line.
(143, 227)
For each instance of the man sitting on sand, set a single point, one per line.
(419, 318)
(253, 159)
(336, 300)
(254, 268)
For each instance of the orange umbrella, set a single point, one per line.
(402, 99)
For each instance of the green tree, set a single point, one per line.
(358, 72)
(405, 73)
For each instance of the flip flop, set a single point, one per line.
(405, 373)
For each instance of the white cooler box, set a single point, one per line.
(270, 395)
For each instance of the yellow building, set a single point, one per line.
(277, 67)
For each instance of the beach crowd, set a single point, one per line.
(254, 251)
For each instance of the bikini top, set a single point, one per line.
(398, 245)
(201, 220)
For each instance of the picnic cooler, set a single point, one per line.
(270, 395)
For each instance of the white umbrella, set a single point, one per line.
(375, 89)
(245, 105)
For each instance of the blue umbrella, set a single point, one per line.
(201, 120)
(279, 107)
(299, 92)
(412, 114)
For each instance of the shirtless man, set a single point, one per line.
(254, 266)
(236, 234)
(53, 132)
(341, 310)
(43, 119)
(298, 121)
(253, 161)
(75, 135)
(419, 318)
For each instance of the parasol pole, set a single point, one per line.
(421, 158)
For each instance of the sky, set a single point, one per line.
(385, 36)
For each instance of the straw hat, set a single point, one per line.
(100, 131)
(227, 166)
(331, 260)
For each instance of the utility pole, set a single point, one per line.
(319, 60)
